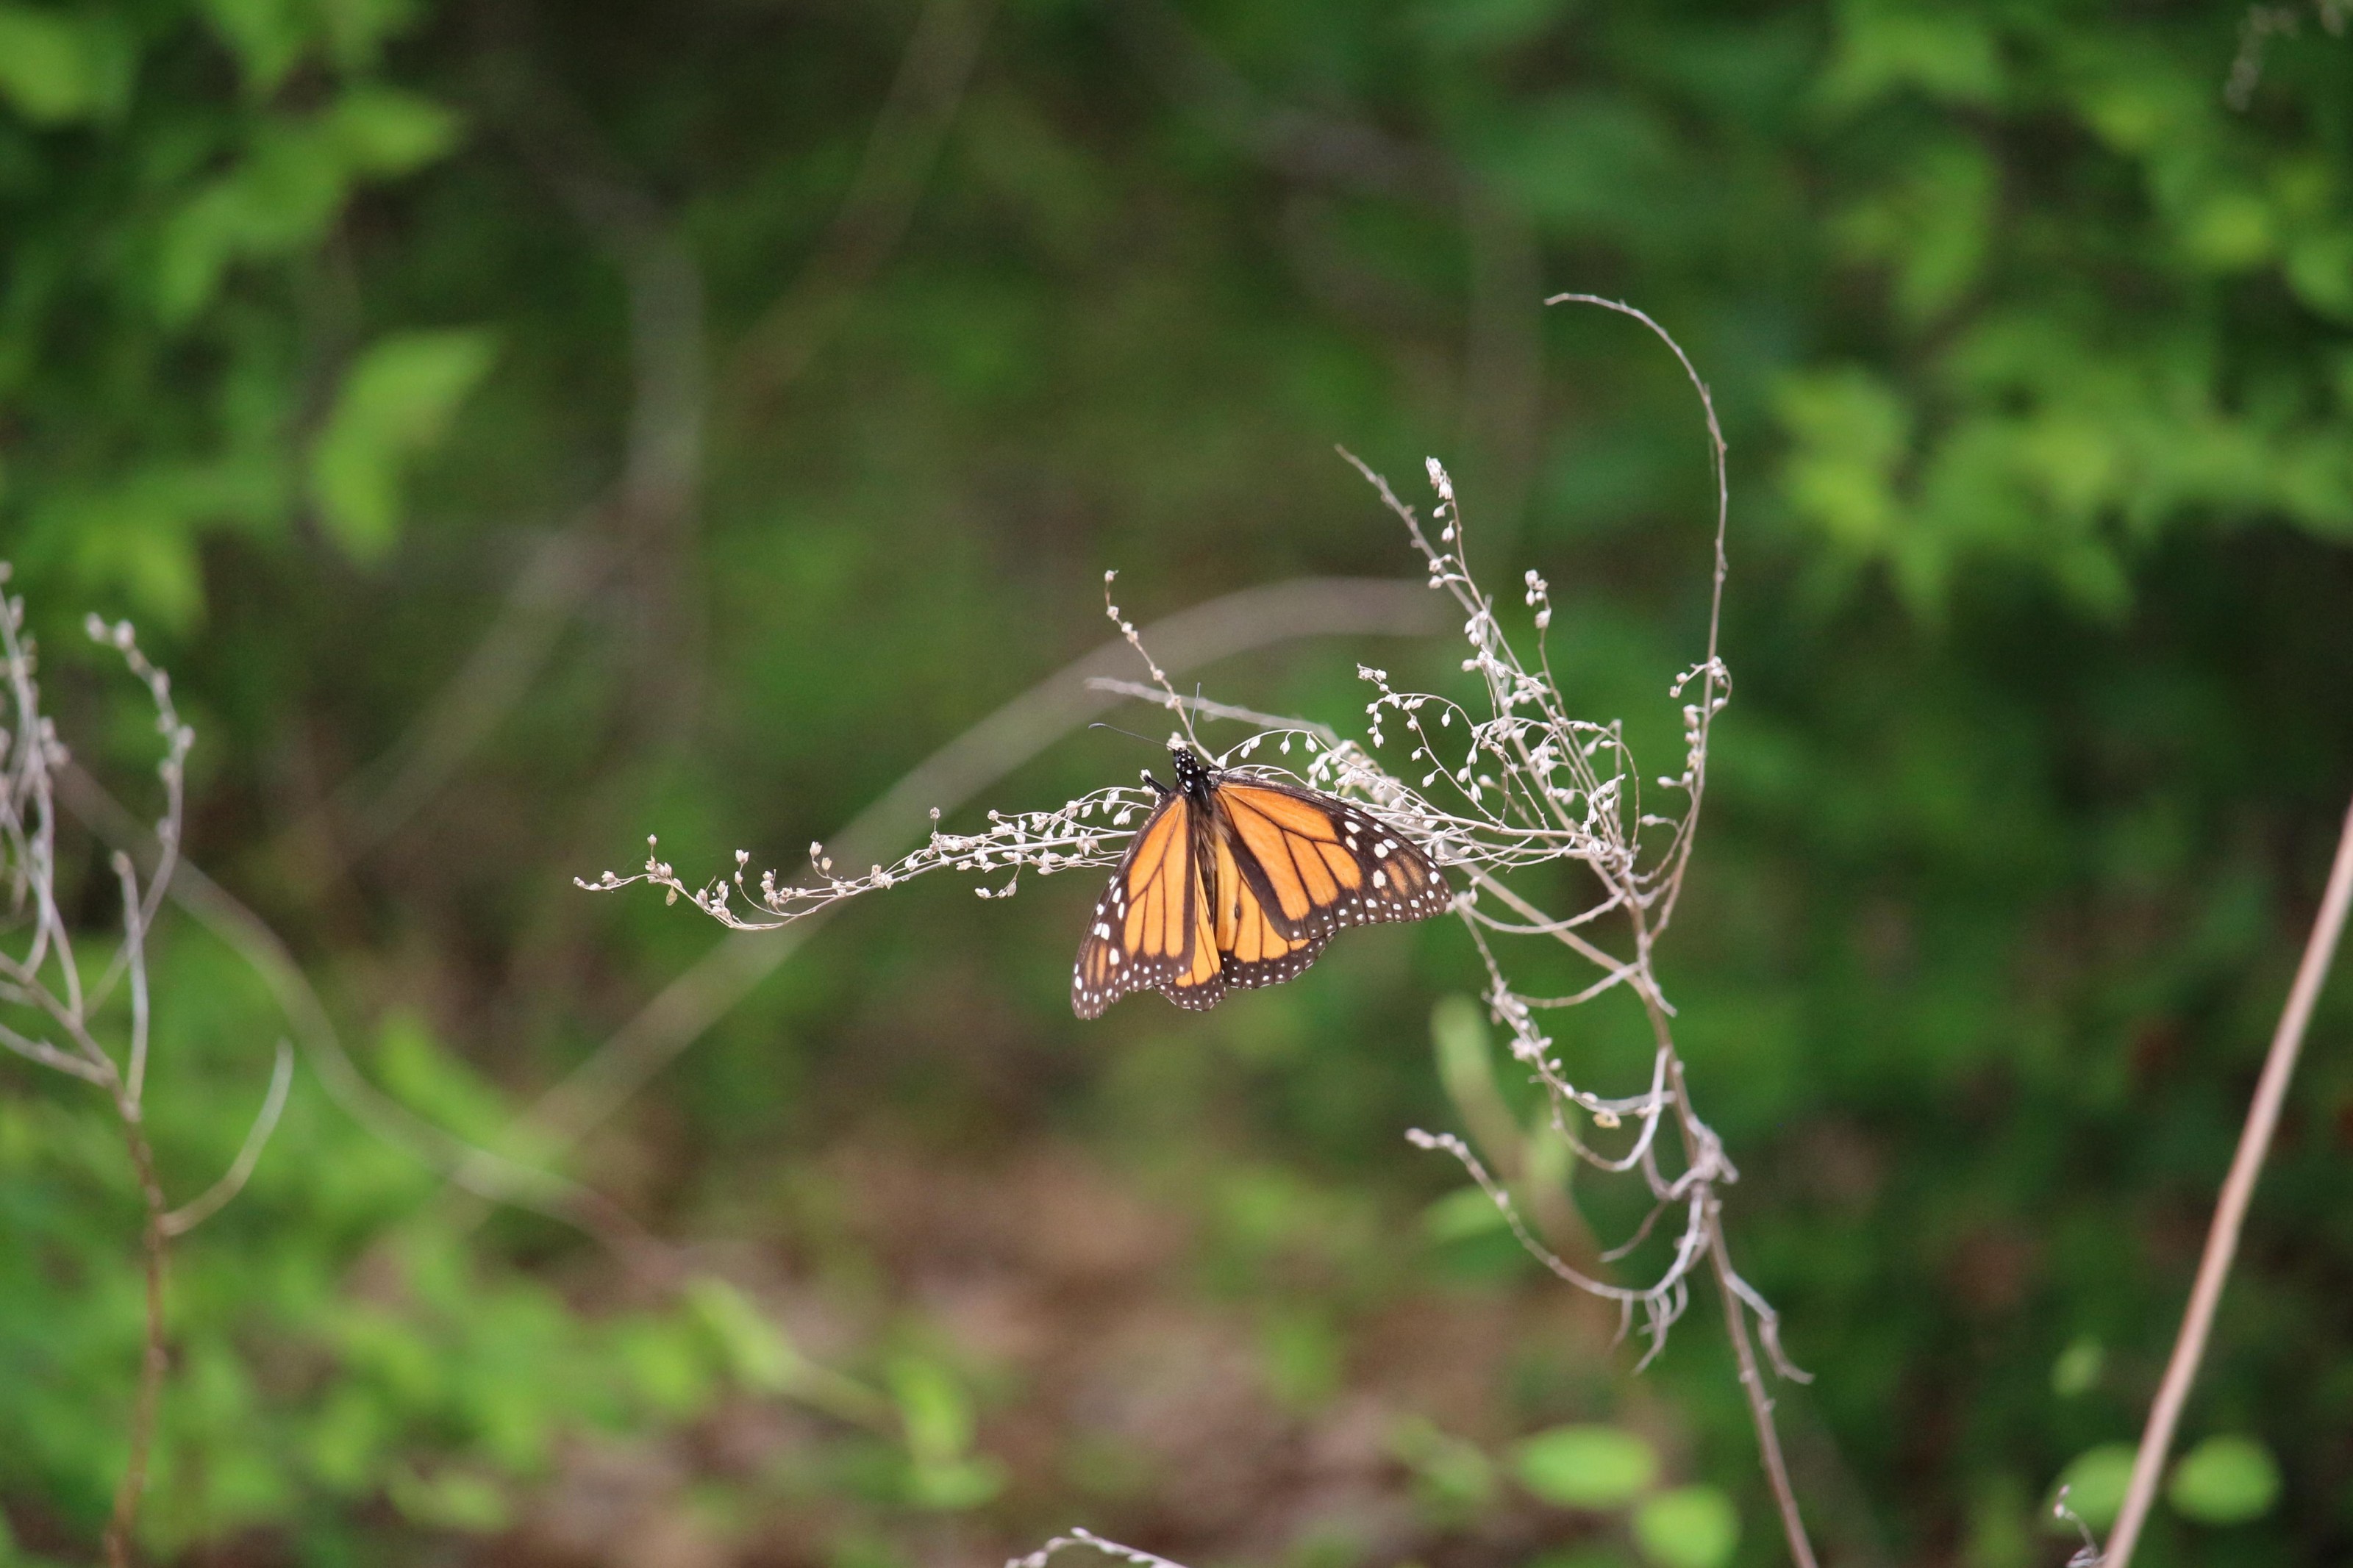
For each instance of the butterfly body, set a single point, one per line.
(1237, 881)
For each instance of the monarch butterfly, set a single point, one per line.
(1240, 882)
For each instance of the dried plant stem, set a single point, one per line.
(1232, 623)
(2231, 1210)
(1751, 1382)
(153, 1360)
(1699, 1143)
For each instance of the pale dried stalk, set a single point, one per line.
(47, 980)
(2231, 1209)
(1082, 1536)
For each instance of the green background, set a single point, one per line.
(523, 429)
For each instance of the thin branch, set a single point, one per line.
(2231, 1210)
(1079, 1536)
(154, 1359)
(1752, 1383)
(190, 1215)
(35, 756)
(562, 570)
(905, 145)
(134, 944)
(49, 1055)
(1705, 1153)
(1697, 718)
(493, 1176)
(1236, 623)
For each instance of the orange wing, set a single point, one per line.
(1253, 950)
(1247, 896)
(1316, 863)
(1152, 928)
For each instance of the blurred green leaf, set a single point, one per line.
(1934, 228)
(450, 1499)
(385, 133)
(1690, 1527)
(1302, 1354)
(268, 36)
(938, 1418)
(417, 1070)
(1586, 1466)
(2077, 1370)
(933, 1407)
(44, 66)
(357, 30)
(668, 1364)
(2095, 1482)
(2225, 1479)
(1464, 1212)
(1455, 1476)
(394, 405)
(1850, 434)
(1466, 1065)
(1885, 46)
(753, 1344)
(2320, 269)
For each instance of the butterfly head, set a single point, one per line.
(1193, 774)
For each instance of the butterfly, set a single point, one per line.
(1235, 881)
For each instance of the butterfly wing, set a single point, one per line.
(1315, 863)
(1244, 895)
(1253, 950)
(1152, 928)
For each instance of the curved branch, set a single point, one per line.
(190, 1215)
(905, 143)
(490, 1176)
(1024, 727)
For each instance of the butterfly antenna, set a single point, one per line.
(1131, 734)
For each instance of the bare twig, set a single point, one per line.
(1752, 1384)
(190, 1215)
(494, 1176)
(153, 1360)
(45, 977)
(1081, 1536)
(900, 155)
(562, 570)
(1502, 403)
(649, 512)
(1237, 623)
(2231, 1210)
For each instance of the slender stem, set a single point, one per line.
(1700, 1144)
(2231, 1210)
(153, 1360)
(1752, 1383)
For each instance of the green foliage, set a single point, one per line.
(2028, 411)
(2225, 1479)
(335, 1336)
(2093, 1484)
(171, 243)
(58, 67)
(2035, 360)
(2077, 1370)
(754, 1350)
(1690, 1527)
(942, 1471)
(1456, 1478)
(1586, 1466)
(396, 403)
